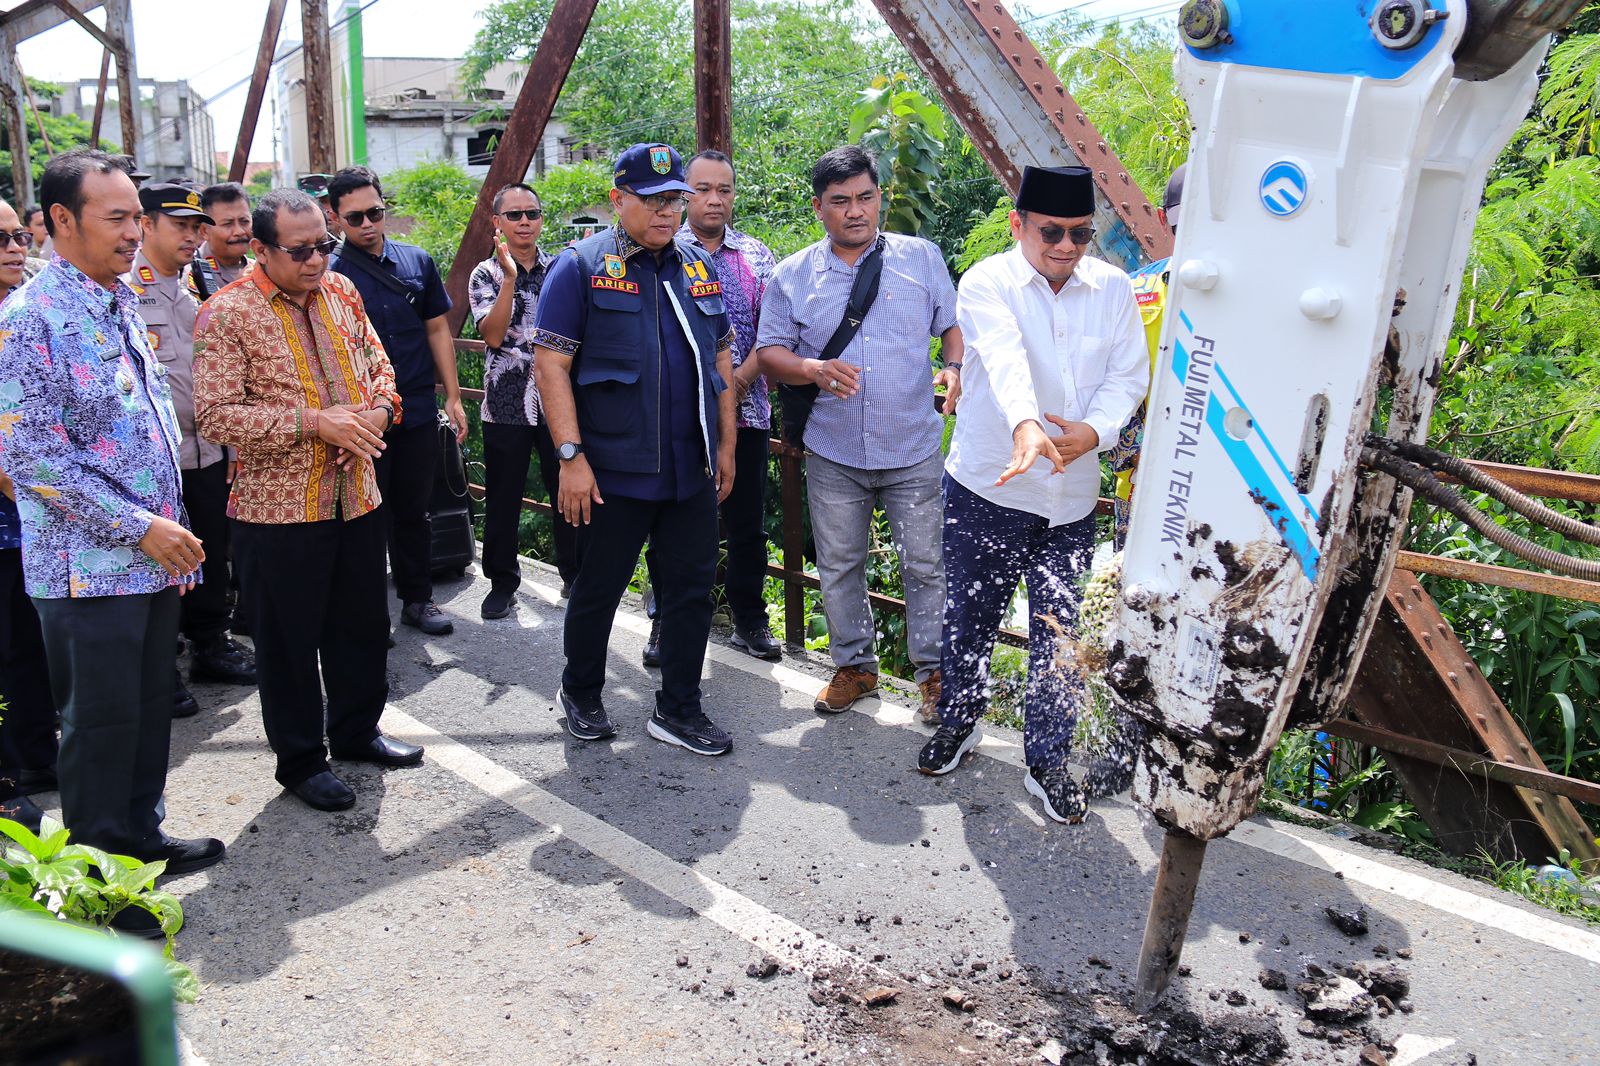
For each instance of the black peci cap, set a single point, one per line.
(1060, 192)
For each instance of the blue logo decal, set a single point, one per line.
(1284, 188)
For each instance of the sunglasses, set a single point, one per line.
(21, 238)
(1056, 234)
(659, 201)
(303, 253)
(533, 215)
(371, 214)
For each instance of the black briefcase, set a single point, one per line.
(450, 513)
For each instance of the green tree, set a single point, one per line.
(65, 131)
(905, 131)
(438, 197)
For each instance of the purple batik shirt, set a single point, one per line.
(744, 265)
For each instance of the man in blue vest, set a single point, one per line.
(633, 356)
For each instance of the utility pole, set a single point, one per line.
(713, 75)
(319, 85)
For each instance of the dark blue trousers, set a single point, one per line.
(988, 549)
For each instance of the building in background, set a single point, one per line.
(177, 137)
(416, 110)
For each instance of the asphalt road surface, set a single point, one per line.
(525, 898)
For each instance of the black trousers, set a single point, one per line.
(204, 613)
(683, 535)
(744, 515)
(406, 471)
(111, 670)
(315, 592)
(28, 731)
(507, 450)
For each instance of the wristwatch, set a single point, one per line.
(569, 451)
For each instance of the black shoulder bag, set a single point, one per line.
(370, 265)
(795, 400)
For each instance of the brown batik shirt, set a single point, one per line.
(263, 367)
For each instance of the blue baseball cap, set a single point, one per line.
(651, 168)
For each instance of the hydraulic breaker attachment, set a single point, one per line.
(1336, 173)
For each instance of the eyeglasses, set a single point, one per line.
(371, 214)
(532, 215)
(22, 238)
(660, 202)
(303, 253)
(1057, 234)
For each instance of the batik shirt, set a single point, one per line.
(88, 435)
(510, 395)
(744, 265)
(263, 367)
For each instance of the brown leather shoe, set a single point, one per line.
(848, 685)
(929, 711)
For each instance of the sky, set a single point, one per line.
(216, 53)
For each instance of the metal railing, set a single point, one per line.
(1549, 484)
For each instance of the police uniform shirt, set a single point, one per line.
(168, 309)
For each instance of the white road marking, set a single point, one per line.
(1004, 746)
(1410, 1048)
(738, 914)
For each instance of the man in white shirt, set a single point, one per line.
(1055, 365)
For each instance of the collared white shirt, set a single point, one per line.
(1078, 354)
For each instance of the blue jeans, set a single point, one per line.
(842, 501)
(990, 548)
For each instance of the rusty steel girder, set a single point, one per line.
(1017, 112)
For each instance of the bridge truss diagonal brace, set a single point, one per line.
(1017, 112)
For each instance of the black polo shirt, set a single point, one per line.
(400, 320)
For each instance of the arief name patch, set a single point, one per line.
(615, 285)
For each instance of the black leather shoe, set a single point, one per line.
(184, 705)
(585, 718)
(222, 660)
(757, 641)
(498, 603)
(325, 792)
(186, 856)
(32, 782)
(23, 811)
(428, 618)
(566, 590)
(384, 751)
(138, 923)
(652, 648)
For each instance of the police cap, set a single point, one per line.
(179, 199)
(651, 168)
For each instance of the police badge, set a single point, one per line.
(661, 159)
(615, 267)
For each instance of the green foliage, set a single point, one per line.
(66, 132)
(905, 131)
(259, 185)
(439, 197)
(1537, 651)
(50, 878)
(569, 190)
(1341, 780)
(1576, 896)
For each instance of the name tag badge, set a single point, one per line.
(615, 285)
(705, 288)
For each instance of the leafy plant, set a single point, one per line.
(1552, 888)
(439, 196)
(905, 131)
(50, 878)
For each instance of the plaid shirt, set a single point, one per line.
(510, 394)
(88, 434)
(744, 265)
(890, 423)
